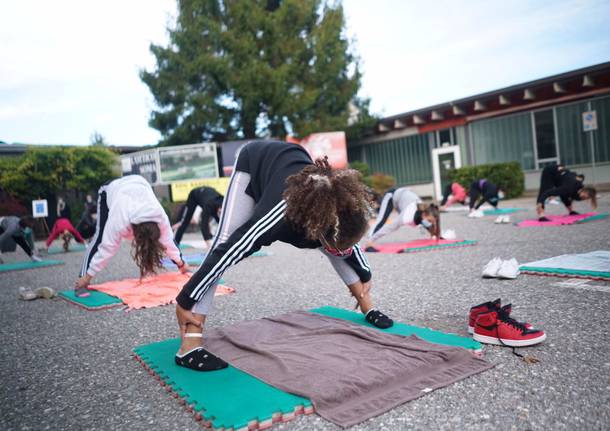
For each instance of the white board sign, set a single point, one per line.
(40, 208)
(589, 121)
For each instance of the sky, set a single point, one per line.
(69, 68)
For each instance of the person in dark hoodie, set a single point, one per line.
(482, 191)
(210, 202)
(568, 186)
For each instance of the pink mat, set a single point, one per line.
(398, 247)
(153, 291)
(556, 220)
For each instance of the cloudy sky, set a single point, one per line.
(70, 67)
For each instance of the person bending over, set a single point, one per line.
(482, 191)
(64, 228)
(86, 224)
(210, 202)
(453, 193)
(128, 209)
(568, 186)
(14, 227)
(411, 212)
(277, 193)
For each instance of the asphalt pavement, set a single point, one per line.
(64, 368)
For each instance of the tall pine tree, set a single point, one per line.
(252, 68)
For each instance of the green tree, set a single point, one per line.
(43, 172)
(251, 68)
(97, 139)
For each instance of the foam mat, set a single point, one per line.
(95, 301)
(233, 399)
(21, 266)
(594, 265)
(73, 247)
(422, 245)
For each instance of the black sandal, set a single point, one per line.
(199, 359)
(378, 319)
(371, 249)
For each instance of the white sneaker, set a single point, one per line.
(506, 219)
(499, 220)
(45, 292)
(491, 269)
(448, 234)
(26, 295)
(476, 214)
(509, 269)
(36, 258)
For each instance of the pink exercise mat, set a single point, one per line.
(424, 244)
(556, 220)
(153, 291)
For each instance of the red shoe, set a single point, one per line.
(497, 327)
(486, 307)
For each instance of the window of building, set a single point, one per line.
(444, 138)
(546, 143)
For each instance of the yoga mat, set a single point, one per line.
(20, 266)
(563, 220)
(231, 398)
(594, 265)
(184, 246)
(422, 245)
(95, 301)
(502, 211)
(154, 291)
(73, 247)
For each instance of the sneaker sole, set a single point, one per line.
(471, 330)
(512, 343)
(507, 277)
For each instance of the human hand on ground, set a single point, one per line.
(83, 282)
(185, 268)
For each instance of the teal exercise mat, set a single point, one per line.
(427, 334)
(95, 301)
(20, 266)
(593, 218)
(74, 247)
(233, 399)
(185, 246)
(502, 211)
(594, 265)
(197, 258)
(224, 399)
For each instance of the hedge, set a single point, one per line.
(508, 176)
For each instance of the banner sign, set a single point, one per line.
(589, 121)
(188, 162)
(331, 144)
(181, 189)
(142, 163)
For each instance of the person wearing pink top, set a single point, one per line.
(453, 193)
(64, 227)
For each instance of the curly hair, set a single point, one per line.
(66, 237)
(328, 203)
(146, 248)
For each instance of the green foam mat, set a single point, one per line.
(562, 272)
(427, 334)
(233, 399)
(95, 301)
(224, 399)
(20, 266)
(74, 247)
(593, 218)
(463, 243)
(502, 211)
(185, 246)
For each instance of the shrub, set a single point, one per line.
(361, 167)
(508, 176)
(381, 182)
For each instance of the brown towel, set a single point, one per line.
(350, 372)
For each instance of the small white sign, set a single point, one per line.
(40, 208)
(589, 121)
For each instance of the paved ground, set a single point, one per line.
(65, 368)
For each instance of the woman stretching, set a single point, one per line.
(558, 181)
(64, 228)
(453, 193)
(486, 191)
(411, 212)
(210, 202)
(276, 193)
(128, 209)
(14, 227)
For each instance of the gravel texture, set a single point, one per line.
(62, 367)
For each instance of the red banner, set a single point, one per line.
(331, 144)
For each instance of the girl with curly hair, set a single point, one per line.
(277, 193)
(127, 208)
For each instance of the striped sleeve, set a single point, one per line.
(246, 239)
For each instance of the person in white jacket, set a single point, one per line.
(128, 209)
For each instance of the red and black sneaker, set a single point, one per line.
(497, 327)
(479, 309)
(486, 307)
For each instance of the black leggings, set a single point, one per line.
(21, 241)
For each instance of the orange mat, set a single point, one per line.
(160, 289)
